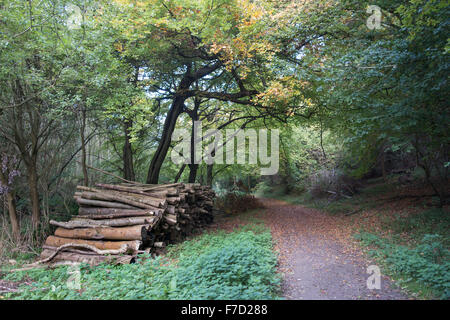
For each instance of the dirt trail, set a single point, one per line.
(318, 256)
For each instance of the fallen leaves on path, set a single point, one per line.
(316, 251)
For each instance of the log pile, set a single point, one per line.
(115, 222)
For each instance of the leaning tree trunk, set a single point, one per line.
(164, 144)
(171, 119)
(180, 172)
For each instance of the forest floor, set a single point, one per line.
(317, 254)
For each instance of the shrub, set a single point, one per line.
(435, 220)
(333, 183)
(237, 201)
(262, 189)
(428, 263)
(242, 266)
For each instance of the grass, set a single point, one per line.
(219, 265)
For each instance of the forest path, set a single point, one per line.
(318, 256)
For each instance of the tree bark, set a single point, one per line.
(193, 169)
(128, 168)
(34, 196)
(209, 174)
(136, 201)
(54, 241)
(138, 232)
(87, 223)
(83, 147)
(12, 210)
(13, 216)
(87, 258)
(114, 213)
(180, 172)
(103, 204)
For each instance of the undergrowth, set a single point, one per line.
(427, 264)
(237, 265)
(236, 202)
(416, 251)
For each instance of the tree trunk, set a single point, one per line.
(102, 204)
(209, 174)
(91, 223)
(136, 201)
(34, 195)
(13, 215)
(128, 168)
(193, 168)
(180, 172)
(171, 119)
(102, 245)
(11, 209)
(111, 212)
(138, 232)
(164, 144)
(87, 258)
(83, 147)
(321, 141)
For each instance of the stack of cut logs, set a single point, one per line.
(116, 222)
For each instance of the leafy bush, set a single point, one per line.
(236, 201)
(262, 189)
(241, 266)
(238, 265)
(332, 182)
(435, 220)
(428, 263)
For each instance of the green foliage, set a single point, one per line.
(389, 85)
(237, 265)
(434, 221)
(427, 263)
(262, 189)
